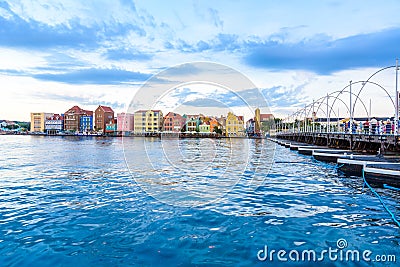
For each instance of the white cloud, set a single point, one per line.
(147, 28)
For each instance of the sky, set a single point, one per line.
(56, 54)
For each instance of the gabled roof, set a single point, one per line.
(172, 114)
(106, 109)
(55, 117)
(87, 112)
(74, 109)
(79, 111)
(193, 116)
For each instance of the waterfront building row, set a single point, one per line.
(142, 122)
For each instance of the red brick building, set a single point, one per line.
(103, 115)
(72, 118)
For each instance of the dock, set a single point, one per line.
(377, 169)
(332, 156)
(383, 173)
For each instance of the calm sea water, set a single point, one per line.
(195, 202)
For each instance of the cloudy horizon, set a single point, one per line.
(56, 54)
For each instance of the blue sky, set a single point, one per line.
(55, 54)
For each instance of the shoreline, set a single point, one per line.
(157, 135)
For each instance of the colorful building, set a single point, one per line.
(251, 127)
(234, 125)
(204, 128)
(222, 124)
(174, 122)
(193, 122)
(72, 118)
(262, 122)
(125, 122)
(54, 124)
(139, 122)
(148, 121)
(213, 123)
(38, 120)
(111, 127)
(86, 123)
(103, 115)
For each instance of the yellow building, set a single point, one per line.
(38, 121)
(257, 121)
(148, 121)
(234, 125)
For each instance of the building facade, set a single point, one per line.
(263, 123)
(148, 121)
(234, 125)
(139, 122)
(111, 127)
(174, 122)
(86, 123)
(193, 122)
(103, 115)
(72, 118)
(204, 128)
(213, 124)
(125, 122)
(222, 124)
(54, 124)
(38, 120)
(251, 127)
(155, 121)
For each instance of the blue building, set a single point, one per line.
(86, 123)
(250, 127)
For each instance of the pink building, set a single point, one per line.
(173, 122)
(125, 122)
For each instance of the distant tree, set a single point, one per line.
(12, 127)
(217, 130)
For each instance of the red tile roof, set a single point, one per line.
(55, 117)
(87, 112)
(264, 117)
(106, 109)
(80, 111)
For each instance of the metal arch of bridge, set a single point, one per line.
(374, 83)
(338, 98)
(370, 77)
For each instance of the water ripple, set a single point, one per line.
(73, 202)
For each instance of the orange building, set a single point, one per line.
(213, 123)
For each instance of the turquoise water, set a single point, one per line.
(74, 202)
